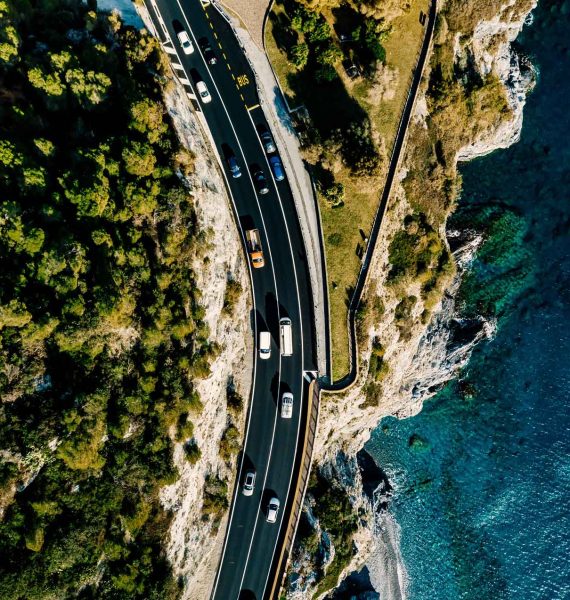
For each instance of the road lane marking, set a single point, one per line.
(168, 49)
(242, 80)
(312, 383)
(177, 66)
(250, 108)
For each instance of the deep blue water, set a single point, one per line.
(482, 475)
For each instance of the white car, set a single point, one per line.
(184, 39)
(203, 92)
(248, 483)
(287, 405)
(272, 510)
(264, 345)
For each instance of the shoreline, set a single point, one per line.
(438, 359)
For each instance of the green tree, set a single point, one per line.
(320, 32)
(329, 54)
(50, 83)
(147, 117)
(139, 159)
(9, 43)
(90, 88)
(14, 314)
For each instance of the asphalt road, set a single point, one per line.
(281, 289)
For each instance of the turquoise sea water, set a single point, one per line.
(482, 476)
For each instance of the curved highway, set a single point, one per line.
(280, 289)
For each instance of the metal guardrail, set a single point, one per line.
(348, 381)
(284, 150)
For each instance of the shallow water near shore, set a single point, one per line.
(481, 476)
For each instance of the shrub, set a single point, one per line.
(404, 308)
(325, 73)
(234, 401)
(334, 194)
(215, 500)
(185, 428)
(416, 251)
(334, 239)
(192, 452)
(378, 368)
(230, 443)
(231, 296)
(300, 55)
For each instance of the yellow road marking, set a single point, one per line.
(234, 77)
(250, 108)
(242, 80)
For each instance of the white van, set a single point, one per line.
(264, 345)
(286, 337)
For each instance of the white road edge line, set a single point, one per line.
(277, 297)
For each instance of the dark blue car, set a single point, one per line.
(277, 168)
(234, 167)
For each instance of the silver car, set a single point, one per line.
(248, 483)
(287, 405)
(267, 141)
(272, 510)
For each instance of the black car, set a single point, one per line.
(260, 182)
(209, 55)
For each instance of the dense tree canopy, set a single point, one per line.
(100, 329)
